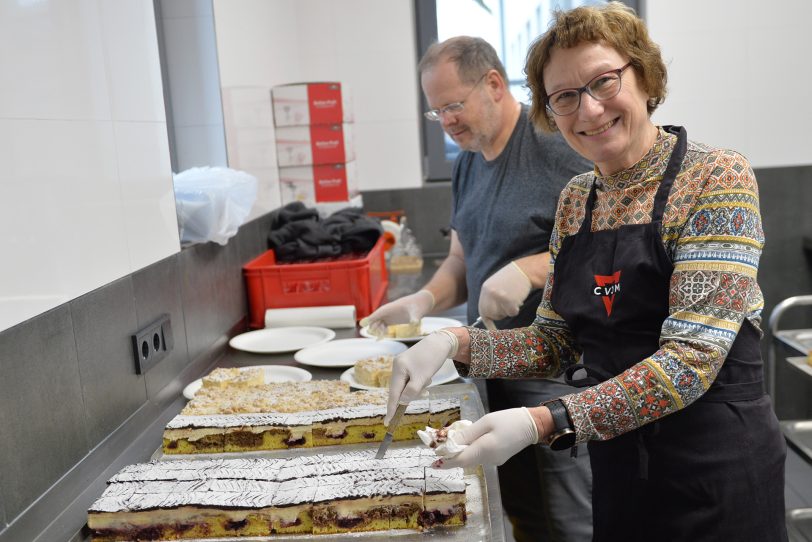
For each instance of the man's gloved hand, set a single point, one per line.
(494, 438)
(503, 293)
(412, 370)
(405, 310)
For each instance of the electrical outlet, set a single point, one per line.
(152, 343)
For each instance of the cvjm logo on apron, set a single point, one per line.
(606, 287)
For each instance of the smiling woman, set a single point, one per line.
(652, 292)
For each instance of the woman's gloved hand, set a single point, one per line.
(405, 310)
(503, 293)
(412, 370)
(494, 438)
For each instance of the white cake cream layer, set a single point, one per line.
(243, 498)
(278, 482)
(238, 420)
(444, 404)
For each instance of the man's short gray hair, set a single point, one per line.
(472, 56)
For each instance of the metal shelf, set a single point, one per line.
(802, 364)
(797, 339)
(799, 525)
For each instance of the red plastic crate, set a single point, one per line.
(343, 281)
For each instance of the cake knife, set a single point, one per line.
(390, 430)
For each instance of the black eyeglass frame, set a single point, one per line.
(585, 88)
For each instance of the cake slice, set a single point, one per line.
(291, 509)
(443, 498)
(271, 431)
(349, 425)
(234, 376)
(160, 510)
(404, 331)
(374, 372)
(195, 435)
(352, 503)
(443, 411)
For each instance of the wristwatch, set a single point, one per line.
(563, 435)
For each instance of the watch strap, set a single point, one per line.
(561, 418)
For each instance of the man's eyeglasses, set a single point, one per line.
(601, 87)
(452, 108)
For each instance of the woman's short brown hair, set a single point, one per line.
(613, 23)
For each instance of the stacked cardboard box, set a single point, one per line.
(314, 144)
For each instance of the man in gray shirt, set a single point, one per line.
(505, 186)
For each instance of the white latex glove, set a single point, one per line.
(412, 370)
(503, 293)
(405, 310)
(494, 438)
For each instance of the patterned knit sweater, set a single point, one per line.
(711, 231)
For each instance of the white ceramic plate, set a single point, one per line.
(281, 339)
(447, 373)
(345, 352)
(273, 373)
(427, 325)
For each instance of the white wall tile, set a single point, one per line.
(148, 196)
(69, 69)
(257, 42)
(737, 76)
(133, 61)
(52, 60)
(388, 155)
(62, 211)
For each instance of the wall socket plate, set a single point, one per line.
(152, 343)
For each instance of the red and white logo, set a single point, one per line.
(607, 286)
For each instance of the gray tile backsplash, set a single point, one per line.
(42, 416)
(785, 270)
(212, 291)
(157, 291)
(103, 321)
(427, 209)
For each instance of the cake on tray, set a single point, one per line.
(318, 494)
(292, 415)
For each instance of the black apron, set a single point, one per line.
(712, 471)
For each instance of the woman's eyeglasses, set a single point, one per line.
(601, 87)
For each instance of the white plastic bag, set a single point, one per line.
(212, 203)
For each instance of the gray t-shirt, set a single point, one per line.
(504, 209)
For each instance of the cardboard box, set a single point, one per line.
(302, 104)
(318, 183)
(316, 144)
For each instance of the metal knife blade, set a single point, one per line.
(390, 431)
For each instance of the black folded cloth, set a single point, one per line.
(297, 233)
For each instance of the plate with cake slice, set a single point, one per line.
(242, 377)
(345, 352)
(415, 331)
(374, 373)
